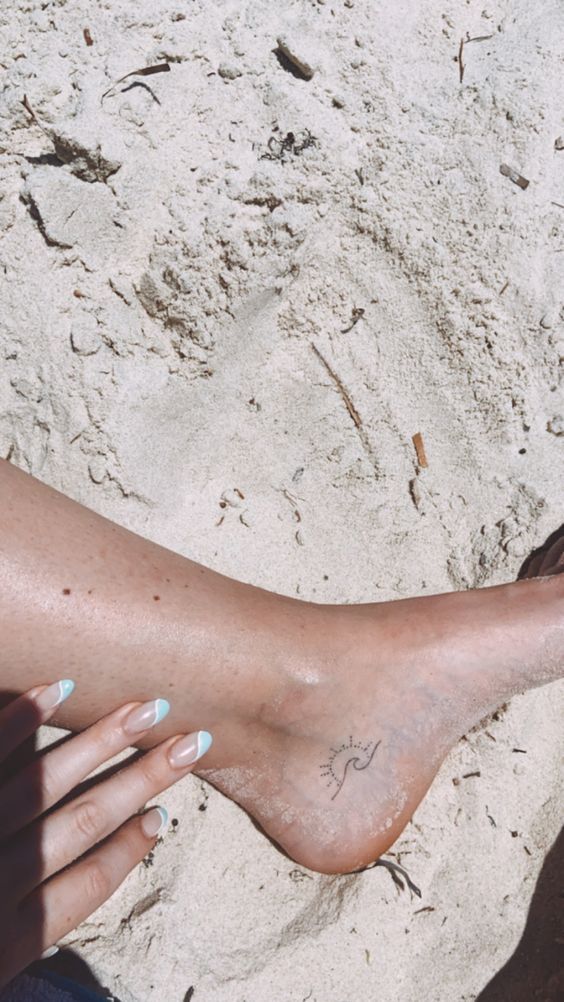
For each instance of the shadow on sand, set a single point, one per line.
(536, 969)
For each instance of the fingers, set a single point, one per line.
(54, 842)
(48, 779)
(24, 715)
(60, 905)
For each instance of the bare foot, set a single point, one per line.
(374, 701)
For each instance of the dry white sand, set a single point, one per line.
(177, 311)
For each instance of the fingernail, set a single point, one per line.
(146, 716)
(154, 821)
(189, 749)
(49, 953)
(54, 694)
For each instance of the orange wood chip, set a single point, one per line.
(417, 440)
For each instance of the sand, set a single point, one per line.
(261, 273)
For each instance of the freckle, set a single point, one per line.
(156, 598)
(66, 591)
(90, 591)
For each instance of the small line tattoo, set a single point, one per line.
(351, 753)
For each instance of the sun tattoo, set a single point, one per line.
(352, 753)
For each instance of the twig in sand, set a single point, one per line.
(417, 440)
(490, 819)
(460, 62)
(514, 176)
(357, 420)
(31, 112)
(501, 291)
(477, 38)
(145, 71)
(87, 36)
(347, 400)
(463, 42)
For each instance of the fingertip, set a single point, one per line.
(154, 822)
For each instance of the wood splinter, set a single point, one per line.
(417, 440)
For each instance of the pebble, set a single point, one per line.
(229, 71)
(556, 425)
(559, 143)
(97, 469)
(85, 339)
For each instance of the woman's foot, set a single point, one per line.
(329, 722)
(373, 699)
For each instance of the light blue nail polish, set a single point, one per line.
(205, 742)
(164, 816)
(162, 707)
(66, 688)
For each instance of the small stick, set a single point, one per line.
(501, 291)
(514, 176)
(468, 775)
(87, 36)
(461, 66)
(346, 399)
(417, 440)
(31, 112)
(478, 38)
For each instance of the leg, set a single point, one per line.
(329, 722)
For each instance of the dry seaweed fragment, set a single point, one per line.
(514, 176)
(145, 71)
(357, 314)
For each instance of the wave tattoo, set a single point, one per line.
(354, 754)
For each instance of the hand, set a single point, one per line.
(42, 896)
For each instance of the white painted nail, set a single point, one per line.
(55, 694)
(49, 953)
(145, 716)
(155, 821)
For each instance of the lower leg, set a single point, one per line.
(84, 598)
(329, 721)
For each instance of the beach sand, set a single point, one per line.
(232, 293)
